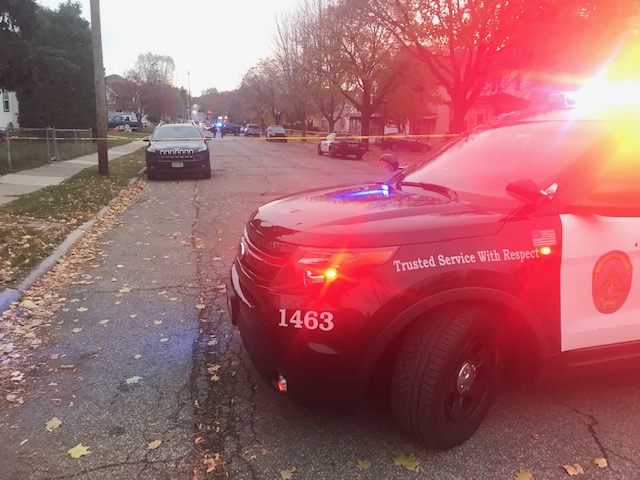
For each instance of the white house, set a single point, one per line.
(8, 110)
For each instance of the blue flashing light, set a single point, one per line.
(383, 191)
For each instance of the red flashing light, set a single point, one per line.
(281, 385)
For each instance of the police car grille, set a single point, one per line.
(177, 153)
(264, 257)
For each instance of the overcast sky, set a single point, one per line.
(212, 42)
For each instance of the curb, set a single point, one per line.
(11, 295)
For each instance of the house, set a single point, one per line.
(9, 110)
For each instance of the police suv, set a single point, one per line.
(509, 250)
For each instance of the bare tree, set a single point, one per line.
(290, 59)
(321, 59)
(468, 43)
(261, 88)
(366, 57)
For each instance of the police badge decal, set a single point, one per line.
(611, 281)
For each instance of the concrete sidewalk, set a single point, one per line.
(14, 185)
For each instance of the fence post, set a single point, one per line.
(46, 134)
(55, 145)
(8, 135)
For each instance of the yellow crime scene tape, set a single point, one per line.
(238, 137)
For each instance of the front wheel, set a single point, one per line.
(445, 376)
(319, 150)
(332, 153)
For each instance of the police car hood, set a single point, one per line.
(367, 216)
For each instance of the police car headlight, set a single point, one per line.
(324, 266)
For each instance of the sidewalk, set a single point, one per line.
(15, 184)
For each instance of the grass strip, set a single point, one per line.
(33, 225)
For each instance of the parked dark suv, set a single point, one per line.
(230, 128)
(177, 148)
(509, 252)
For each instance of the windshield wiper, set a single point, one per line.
(432, 187)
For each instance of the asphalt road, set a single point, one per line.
(169, 366)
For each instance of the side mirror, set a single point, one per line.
(525, 190)
(389, 162)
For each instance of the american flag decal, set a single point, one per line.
(543, 238)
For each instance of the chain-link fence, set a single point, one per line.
(24, 148)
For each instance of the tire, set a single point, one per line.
(207, 173)
(319, 150)
(359, 157)
(332, 153)
(431, 397)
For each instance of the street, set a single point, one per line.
(144, 351)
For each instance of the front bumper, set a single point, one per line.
(317, 372)
(178, 166)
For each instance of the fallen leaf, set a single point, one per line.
(52, 424)
(574, 469)
(158, 322)
(201, 306)
(134, 315)
(409, 462)
(103, 322)
(14, 399)
(524, 475)
(125, 289)
(287, 474)
(212, 463)
(601, 462)
(134, 379)
(164, 340)
(215, 378)
(155, 444)
(364, 464)
(173, 299)
(76, 330)
(137, 357)
(82, 309)
(213, 368)
(78, 451)
(24, 441)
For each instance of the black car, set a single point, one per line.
(177, 148)
(402, 142)
(510, 252)
(230, 128)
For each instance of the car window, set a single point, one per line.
(176, 132)
(480, 165)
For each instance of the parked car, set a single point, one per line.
(252, 130)
(127, 121)
(276, 133)
(402, 142)
(177, 148)
(230, 128)
(343, 144)
(509, 253)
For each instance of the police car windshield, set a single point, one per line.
(480, 165)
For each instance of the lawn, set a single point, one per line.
(32, 226)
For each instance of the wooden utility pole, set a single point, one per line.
(100, 88)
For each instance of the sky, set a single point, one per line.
(213, 43)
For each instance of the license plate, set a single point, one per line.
(177, 164)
